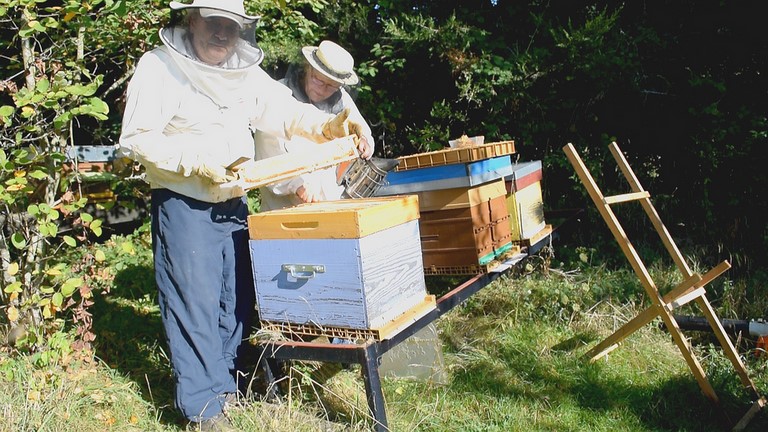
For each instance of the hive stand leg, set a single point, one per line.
(373, 392)
(272, 370)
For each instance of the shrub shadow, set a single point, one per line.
(131, 340)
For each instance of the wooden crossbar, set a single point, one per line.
(692, 289)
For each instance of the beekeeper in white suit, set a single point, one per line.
(192, 106)
(320, 80)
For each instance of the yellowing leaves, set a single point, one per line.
(15, 187)
(13, 314)
(13, 269)
(128, 248)
(99, 256)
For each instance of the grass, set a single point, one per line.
(513, 357)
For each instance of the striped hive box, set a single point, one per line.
(458, 175)
(337, 266)
(524, 200)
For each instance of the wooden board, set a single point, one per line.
(450, 156)
(285, 166)
(358, 283)
(353, 218)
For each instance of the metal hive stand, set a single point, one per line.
(691, 289)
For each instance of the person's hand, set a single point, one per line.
(309, 192)
(341, 126)
(364, 148)
(215, 173)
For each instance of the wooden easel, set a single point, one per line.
(690, 289)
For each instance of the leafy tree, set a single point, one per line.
(51, 80)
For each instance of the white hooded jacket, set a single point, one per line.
(181, 112)
(283, 194)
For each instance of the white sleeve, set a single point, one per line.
(152, 100)
(357, 117)
(278, 113)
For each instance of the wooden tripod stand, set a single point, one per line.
(690, 289)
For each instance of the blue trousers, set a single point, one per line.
(205, 292)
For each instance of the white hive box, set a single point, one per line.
(350, 264)
(524, 200)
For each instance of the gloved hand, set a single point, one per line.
(217, 174)
(310, 192)
(341, 126)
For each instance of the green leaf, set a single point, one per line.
(82, 90)
(57, 299)
(99, 255)
(33, 209)
(38, 174)
(14, 287)
(6, 110)
(18, 241)
(50, 23)
(27, 111)
(69, 241)
(86, 217)
(69, 287)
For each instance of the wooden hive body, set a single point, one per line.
(468, 235)
(337, 277)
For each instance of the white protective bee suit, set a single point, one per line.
(283, 194)
(182, 114)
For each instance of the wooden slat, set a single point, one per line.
(616, 199)
(289, 165)
(456, 155)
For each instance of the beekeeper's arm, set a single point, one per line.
(152, 100)
(366, 146)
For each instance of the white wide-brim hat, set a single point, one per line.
(230, 9)
(333, 61)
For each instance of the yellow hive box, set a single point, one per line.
(354, 218)
(446, 199)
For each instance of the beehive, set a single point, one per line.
(351, 264)
(524, 200)
(468, 227)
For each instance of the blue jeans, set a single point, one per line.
(205, 292)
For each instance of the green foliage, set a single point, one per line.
(48, 89)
